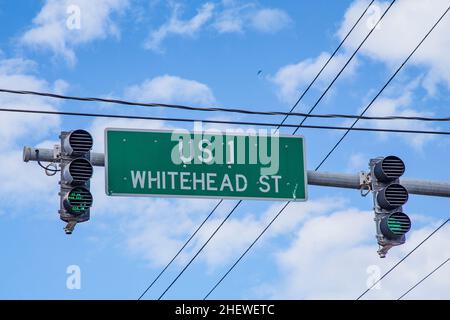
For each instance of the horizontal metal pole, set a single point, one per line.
(325, 179)
(46, 155)
(351, 181)
(427, 187)
(338, 180)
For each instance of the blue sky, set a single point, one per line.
(209, 53)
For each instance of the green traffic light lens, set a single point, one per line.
(78, 200)
(395, 225)
(399, 223)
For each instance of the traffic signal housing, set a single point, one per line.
(389, 197)
(76, 172)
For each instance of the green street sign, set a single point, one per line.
(205, 164)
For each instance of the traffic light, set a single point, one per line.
(389, 197)
(76, 172)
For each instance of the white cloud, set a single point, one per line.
(330, 257)
(236, 18)
(227, 246)
(289, 79)
(19, 177)
(179, 27)
(152, 223)
(166, 223)
(227, 17)
(357, 162)
(18, 129)
(400, 105)
(232, 18)
(391, 43)
(401, 29)
(17, 74)
(16, 66)
(52, 26)
(171, 89)
(270, 20)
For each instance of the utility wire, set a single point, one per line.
(200, 250)
(250, 246)
(423, 279)
(386, 84)
(236, 110)
(323, 161)
(327, 156)
(440, 225)
(184, 107)
(305, 91)
(326, 63)
(246, 111)
(347, 63)
(277, 113)
(181, 249)
(404, 258)
(246, 251)
(246, 123)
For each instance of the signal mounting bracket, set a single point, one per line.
(68, 229)
(365, 183)
(56, 153)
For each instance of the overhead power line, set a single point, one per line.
(246, 251)
(331, 151)
(403, 259)
(386, 84)
(326, 63)
(320, 164)
(200, 250)
(181, 249)
(424, 278)
(192, 108)
(335, 80)
(246, 123)
(243, 111)
(347, 63)
(319, 73)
